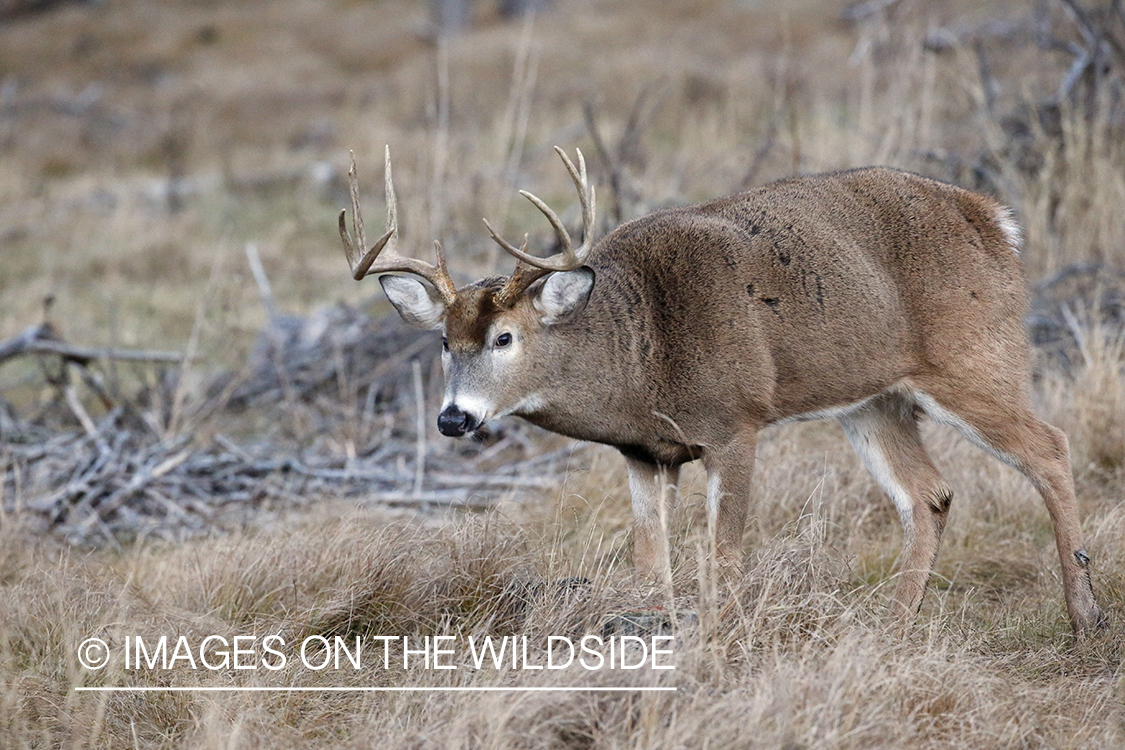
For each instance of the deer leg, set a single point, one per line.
(650, 486)
(1039, 451)
(730, 471)
(885, 435)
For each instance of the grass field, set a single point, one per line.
(143, 144)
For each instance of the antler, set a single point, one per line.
(529, 268)
(391, 262)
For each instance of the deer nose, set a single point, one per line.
(454, 423)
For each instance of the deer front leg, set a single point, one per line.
(651, 485)
(730, 471)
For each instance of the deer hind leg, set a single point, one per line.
(884, 432)
(730, 471)
(651, 486)
(1010, 431)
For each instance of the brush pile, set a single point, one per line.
(1068, 307)
(342, 400)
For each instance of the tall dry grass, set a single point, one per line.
(798, 655)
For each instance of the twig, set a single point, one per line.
(81, 484)
(83, 416)
(761, 153)
(1075, 72)
(420, 426)
(85, 354)
(542, 458)
(987, 82)
(626, 152)
(495, 480)
(178, 397)
(232, 446)
(492, 450)
(947, 37)
(1067, 272)
(42, 339)
(1093, 35)
(388, 475)
(347, 397)
(615, 176)
(94, 383)
(392, 363)
(260, 278)
(1076, 330)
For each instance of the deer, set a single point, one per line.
(872, 296)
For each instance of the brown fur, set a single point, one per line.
(814, 294)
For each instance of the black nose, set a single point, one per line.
(454, 423)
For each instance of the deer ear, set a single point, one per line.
(418, 304)
(564, 294)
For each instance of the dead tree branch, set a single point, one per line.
(42, 339)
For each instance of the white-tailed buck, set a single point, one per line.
(870, 296)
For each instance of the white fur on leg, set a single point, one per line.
(862, 429)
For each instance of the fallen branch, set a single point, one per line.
(1092, 33)
(42, 339)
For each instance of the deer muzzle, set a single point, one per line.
(452, 422)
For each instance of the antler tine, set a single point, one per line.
(570, 258)
(387, 245)
(439, 255)
(390, 200)
(361, 266)
(585, 194)
(560, 231)
(508, 247)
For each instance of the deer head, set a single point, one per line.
(495, 328)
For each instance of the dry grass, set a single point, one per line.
(211, 125)
(797, 656)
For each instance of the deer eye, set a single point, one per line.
(444, 344)
(503, 340)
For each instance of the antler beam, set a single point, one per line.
(530, 268)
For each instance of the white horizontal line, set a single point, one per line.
(262, 689)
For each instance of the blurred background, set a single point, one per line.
(142, 142)
(150, 152)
